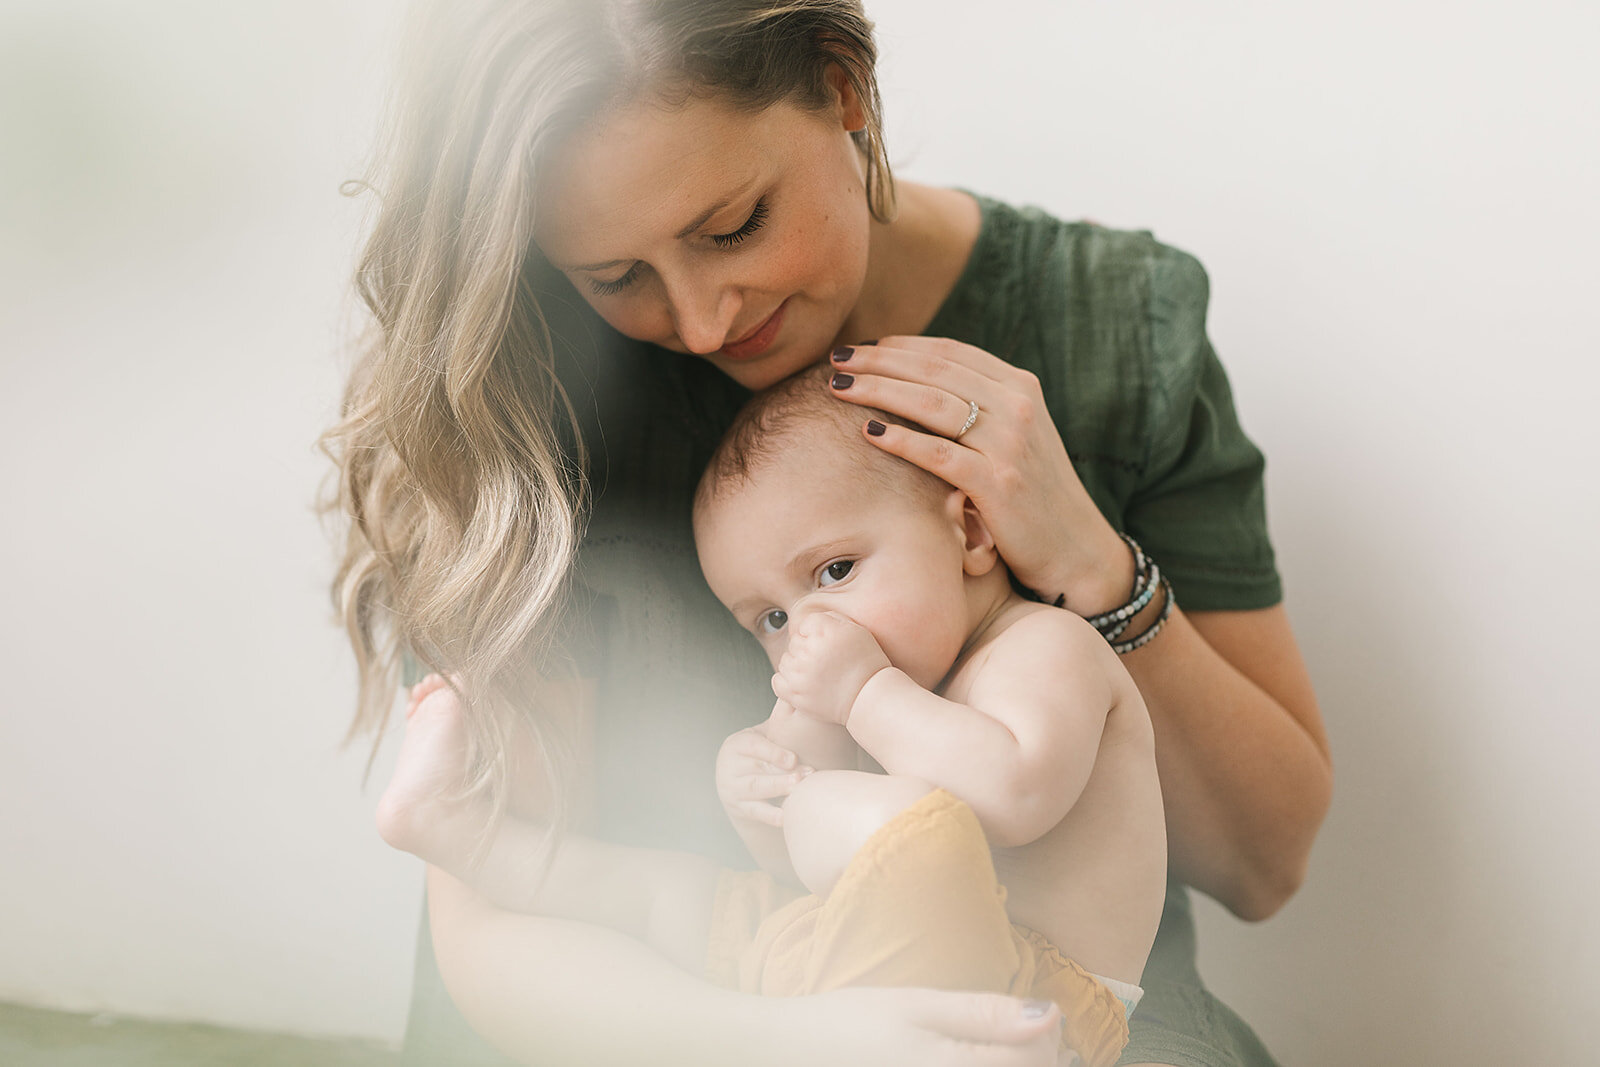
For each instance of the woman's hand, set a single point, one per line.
(1010, 460)
(922, 1027)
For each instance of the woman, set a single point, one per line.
(603, 222)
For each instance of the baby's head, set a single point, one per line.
(797, 512)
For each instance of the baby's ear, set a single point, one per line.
(978, 553)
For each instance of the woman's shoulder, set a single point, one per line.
(1038, 287)
(1090, 267)
(1111, 321)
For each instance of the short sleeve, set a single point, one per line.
(1200, 508)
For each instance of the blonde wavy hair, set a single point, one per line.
(459, 460)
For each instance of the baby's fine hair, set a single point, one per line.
(774, 420)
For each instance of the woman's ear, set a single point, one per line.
(978, 552)
(852, 115)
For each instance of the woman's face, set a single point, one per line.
(737, 236)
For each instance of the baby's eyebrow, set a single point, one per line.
(805, 560)
(811, 557)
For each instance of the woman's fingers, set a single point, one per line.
(935, 1027)
(941, 409)
(957, 464)
(924, 358)
(987, 1018)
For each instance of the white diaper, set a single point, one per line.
(1128, 994)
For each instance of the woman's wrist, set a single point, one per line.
(1135, 616)
(1094, 581)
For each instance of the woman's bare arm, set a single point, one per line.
(548, 991)
(1242, 751)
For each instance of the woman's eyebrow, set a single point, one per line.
(706, 216)
(699, 221)
(600, 266)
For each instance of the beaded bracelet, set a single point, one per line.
(1147, 578)
(1124, 647)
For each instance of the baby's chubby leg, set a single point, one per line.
(661, 898)
(831, 814)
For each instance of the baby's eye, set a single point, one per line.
(836, 572)
(772, 622)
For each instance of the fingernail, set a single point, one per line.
(842, 380)
(875, 428)
(1036, 1009)
(842, 353)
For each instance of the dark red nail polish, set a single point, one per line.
(842, 353)
(875, 428)
(842, 380)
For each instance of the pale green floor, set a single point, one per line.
(30, 1037)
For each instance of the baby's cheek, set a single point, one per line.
(919, 642)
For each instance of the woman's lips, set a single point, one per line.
(758, 340)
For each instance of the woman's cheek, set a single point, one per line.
(827, 259)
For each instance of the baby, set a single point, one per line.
(936, 737)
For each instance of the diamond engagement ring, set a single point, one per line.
(972, 418)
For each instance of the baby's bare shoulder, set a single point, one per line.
(1044, 655)
(1040, 629)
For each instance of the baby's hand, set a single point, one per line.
(752, 770)
(828, 660)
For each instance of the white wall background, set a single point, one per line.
(1397, 205)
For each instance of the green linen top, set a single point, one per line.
(1113, 324)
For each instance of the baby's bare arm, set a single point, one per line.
(822, 746)
(1020, 747)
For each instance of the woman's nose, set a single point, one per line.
(703, 315)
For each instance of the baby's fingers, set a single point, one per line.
(764, 786)
(758, 811)
(763, 749)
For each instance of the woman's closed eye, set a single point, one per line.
(615, 285)
(758, 218)
(836, 572)
(772, 622)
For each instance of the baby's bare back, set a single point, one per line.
(1095, 884)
